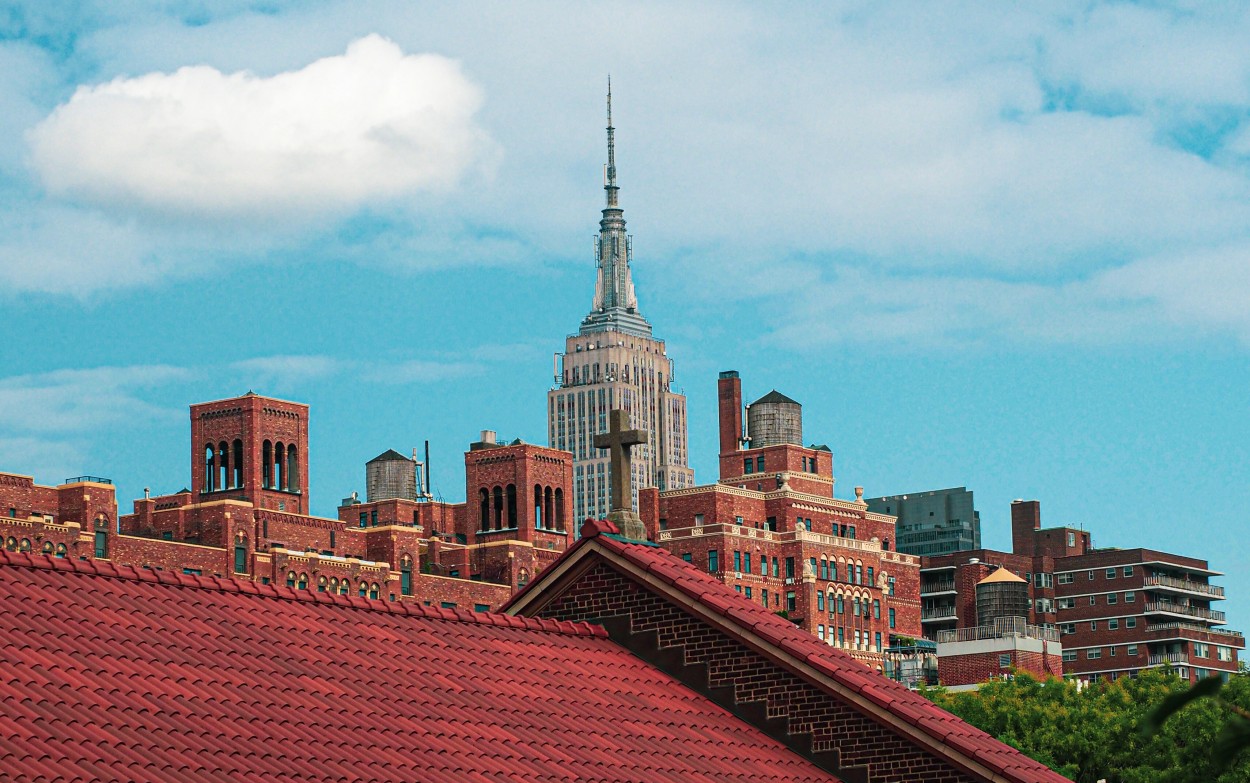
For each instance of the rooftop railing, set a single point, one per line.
(92, 479)
(1183, 584)
(1001, 628)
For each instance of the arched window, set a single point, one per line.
(210, 469)
(47, 547)
(559, 498)
(484, 501)
(223, 465)
(279, 466)
(10, 544)
(523, 577)
(373, 591)
(548, 517)
(303, 582)
(292, 469)
(498, 493)
(60, 550)
(512, 505)
(538, 507)
(405, 575)
(24, 546)
(334, 584)
(364, 589)
(240, 556)
(266, 465)
(345, 586)
(236, 464)
(290, 579)
(321, 584)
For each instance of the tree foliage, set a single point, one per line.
(1106, 731)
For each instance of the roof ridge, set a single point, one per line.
(219, 584)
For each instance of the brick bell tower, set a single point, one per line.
(252, 448)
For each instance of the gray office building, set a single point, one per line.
(936, 522)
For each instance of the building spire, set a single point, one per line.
(615, 306)
(609, 184)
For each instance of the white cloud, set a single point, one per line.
(79, 400)
(286, 371)
(372, 124)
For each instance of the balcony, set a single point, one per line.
(938, 613)
(1173, 659)
(1188, 611)
(1168, 583)
(1205, 633)
(937, 587)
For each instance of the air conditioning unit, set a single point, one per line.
(737, 574)
(789, 580)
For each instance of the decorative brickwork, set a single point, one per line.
(603, 593)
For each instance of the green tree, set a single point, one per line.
(1096, 732)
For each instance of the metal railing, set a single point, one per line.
(1173, 658)
(1183, 584)
(944, 586)
(1179, 626)
(1001, 628)
(1192, 611)
(938, 613)
(92, 479)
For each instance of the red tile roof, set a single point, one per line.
(791, 645)
(123, 674)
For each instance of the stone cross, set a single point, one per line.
(619, 441)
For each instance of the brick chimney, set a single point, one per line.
(1026, 517)
(729, 394)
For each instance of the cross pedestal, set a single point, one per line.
(619, 441)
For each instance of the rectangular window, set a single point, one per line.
(101, 544)
(789, 568)
(833, 572)
(820, 601)
(1067, 603)
(1223, 654)
(1093, 625)
(1065, 579)
(812, 562)
(1111, 599)
(1071, 538)
(892, 617)
(841, 635)
(1067, 628)
(841, 605)
(1200, 650)
(891, 583)
(1093, 654)
(1130, 622)
(364, 518)
(759, 464)
(737, 588)
(1113, 624)
(876, 609)
(737, 560)
(824, 569)
(871, 581)
(698, 520)
(1112, 649)
(764, 595)
(1128, 570)
(748, 592)
(1093, 600)
(776, 568)
(689, 558)
(1132, 649)
(1111, 573)
(713, 561)
(877, 640)
(807, 523)
(192, 571)
(859, 574)
(1069, 656)
(850, 532)
(746, 562)
(167, 535)
(763, 565)
(1130, 597)
(1089, 575)
(820, 632)
(1004, 661)
(448, 604)
(791, 603)
(481, 607)
(748, 466)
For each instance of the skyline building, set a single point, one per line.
(615, 361)
(933, 522)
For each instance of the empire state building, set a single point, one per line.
(614, 361)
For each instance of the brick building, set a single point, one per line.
(619, 663)
(1116, 611)
(246, 517)
(772, 530)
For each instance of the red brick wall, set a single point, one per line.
(252, 419)
(603, 593)
(980, 667)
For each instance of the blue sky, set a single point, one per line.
(984, 245)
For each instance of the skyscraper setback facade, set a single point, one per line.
(614, 361)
